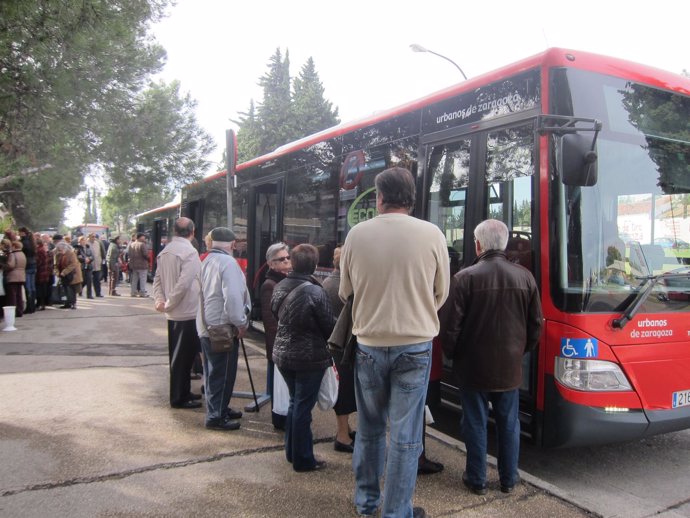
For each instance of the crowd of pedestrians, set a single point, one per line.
(41, 270)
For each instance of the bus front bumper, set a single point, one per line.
(566, 424)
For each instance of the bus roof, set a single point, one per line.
(552, 57)
(167, 206)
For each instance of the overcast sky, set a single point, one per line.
(218, 49)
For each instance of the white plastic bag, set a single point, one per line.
(328, 392)
(281, 395)
(428, 418)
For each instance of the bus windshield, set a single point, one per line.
(634, 224)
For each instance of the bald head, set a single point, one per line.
(184, 227)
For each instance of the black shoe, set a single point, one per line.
(188, 404)
(66, 306)
(223, 425)
(509, 489)
(418, 512)
(89, 297)
(477, 490)
(100, 296)
(320, 464)
(233, 414)
(343, 448)
(194, 397)
(428, 467)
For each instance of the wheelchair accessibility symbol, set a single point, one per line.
(579, 347)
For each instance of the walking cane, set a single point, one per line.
(249, 372)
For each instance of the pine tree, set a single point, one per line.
(249, 135)
(275, 112)
(284, 116)
(312, 112)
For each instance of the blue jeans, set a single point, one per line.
(220, 371)
(30, 285)
(390, 386)
(475, 414)
(138, 281)
(303, 387)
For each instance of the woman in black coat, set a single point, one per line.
(305, 321)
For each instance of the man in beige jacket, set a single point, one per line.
(176, 293)
(396, 266)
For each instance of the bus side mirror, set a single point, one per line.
(578, 161)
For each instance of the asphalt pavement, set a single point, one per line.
(86, 430)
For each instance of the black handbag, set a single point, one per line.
(58, 295)
(342, 342)
(67, 279)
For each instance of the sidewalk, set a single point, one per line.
(86, 430)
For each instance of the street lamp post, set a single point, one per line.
(418, 48)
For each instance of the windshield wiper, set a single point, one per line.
(644, 291)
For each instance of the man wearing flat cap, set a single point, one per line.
(225, 300)
(176, 293)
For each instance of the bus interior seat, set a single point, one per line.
(518, 250)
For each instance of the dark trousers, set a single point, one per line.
(221, 372)
(71, 292)
(304, 391)
(42, 294)
(183, 345)
(88, 280)
(14, 297)
(96, 279)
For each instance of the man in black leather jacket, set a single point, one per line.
(491, 319)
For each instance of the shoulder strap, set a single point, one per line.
(291, 296)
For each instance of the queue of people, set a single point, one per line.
(406, 308)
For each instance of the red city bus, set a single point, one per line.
(85, 229)
(586, 159)
(157, 224)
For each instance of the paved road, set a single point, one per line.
(85, 430)
(637, 479)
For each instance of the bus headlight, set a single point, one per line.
(591, 375)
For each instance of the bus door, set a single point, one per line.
(194, 210)
(159, 232)
(265, 228)
(472, 176)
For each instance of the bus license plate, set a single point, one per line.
(681, 398)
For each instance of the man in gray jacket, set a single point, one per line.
(225, 301)
(176, 293)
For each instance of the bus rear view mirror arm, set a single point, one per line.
(578, 160)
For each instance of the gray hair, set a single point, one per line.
(492, 234)
(274, 249)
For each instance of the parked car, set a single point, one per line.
(671, 242)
